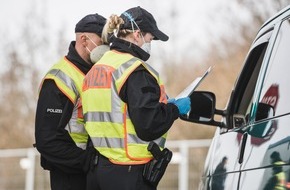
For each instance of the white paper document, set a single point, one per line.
(192, 86)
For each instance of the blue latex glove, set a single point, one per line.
(171, 100)
(183, 105)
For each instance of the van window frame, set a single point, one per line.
(261, 44)
(270, 64)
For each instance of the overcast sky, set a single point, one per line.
(196, 22)
(191, 16)
(58, 12)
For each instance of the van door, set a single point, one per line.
(225, 157)
(267, 151)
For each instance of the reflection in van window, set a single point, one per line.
(275, 91)
(278, 178)
(219, 175)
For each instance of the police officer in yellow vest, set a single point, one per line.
(125, 105)
(60, 138)
(278, 179)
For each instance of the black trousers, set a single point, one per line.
(108, 176)
(64, 181)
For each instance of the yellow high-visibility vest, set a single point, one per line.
(106, 116)
(281, 177)
(69, 79)
(281, 181)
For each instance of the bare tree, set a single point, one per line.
(20, 80)
(226, 53)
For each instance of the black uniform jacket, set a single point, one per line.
(58, 151)
(141, 92)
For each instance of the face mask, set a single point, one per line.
(146, 46)
(92, 52)
(98, 52)
(92, 42)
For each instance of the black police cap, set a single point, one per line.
(145, 22)
(92, 23)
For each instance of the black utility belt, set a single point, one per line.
(153, 170)
(102, 160)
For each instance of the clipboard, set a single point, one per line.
(193, 85)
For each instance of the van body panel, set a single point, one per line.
(251, 146)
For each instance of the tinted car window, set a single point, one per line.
(275, 91)
(243, 96)
(246, 100)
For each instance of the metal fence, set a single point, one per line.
(20, 168)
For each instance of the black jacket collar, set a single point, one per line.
(128, 47)
(76, 59)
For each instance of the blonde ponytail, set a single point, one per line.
(112, 25)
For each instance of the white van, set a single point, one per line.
(251, 147)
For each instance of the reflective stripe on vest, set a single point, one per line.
(281, 177)
(68, 79)
(105, 114)
(281, 181)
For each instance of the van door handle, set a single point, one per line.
(242, 148)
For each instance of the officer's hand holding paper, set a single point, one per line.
(183, 104)
(182, 100)
(190, 88)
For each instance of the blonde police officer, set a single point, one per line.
(125, 105)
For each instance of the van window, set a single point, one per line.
(245, 87)
(246, 99)
(276, 91)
